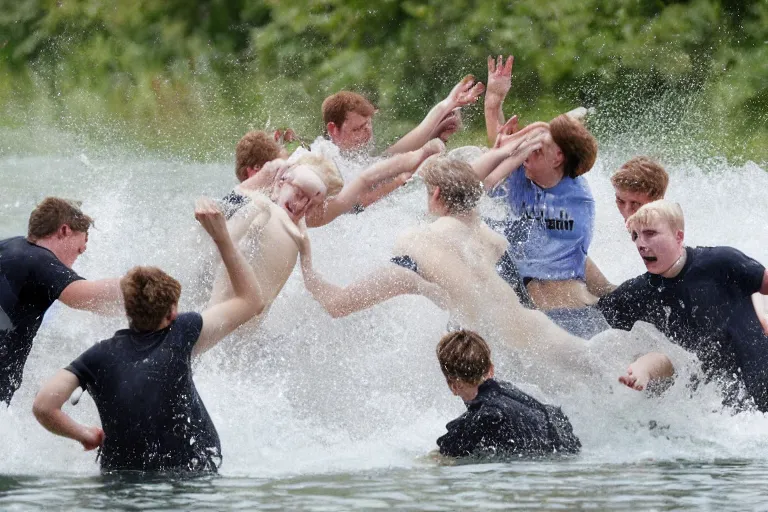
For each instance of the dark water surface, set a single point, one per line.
(564, 485)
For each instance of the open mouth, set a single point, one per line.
(650, 259)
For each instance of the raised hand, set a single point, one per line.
(92, 438)
(448, 126)
(499, 77)
(466, 92)
(433, 147)
(210, 217)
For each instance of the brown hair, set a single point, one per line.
(254, 150)
(579, 147)
(464, 355)
(642, 174)
(149, 295)
(337, 106)
(54, 212)
(460, 188)
(325, 170)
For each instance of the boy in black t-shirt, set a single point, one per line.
(500, 419)
(152, 416)
(700, 298)
(36, 271)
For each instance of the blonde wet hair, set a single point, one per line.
(326, 170)
(460, 188)
(661, 210)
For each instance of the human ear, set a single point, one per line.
(250, 171)
(332, 129)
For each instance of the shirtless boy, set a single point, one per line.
(452, 262)
(266, 229)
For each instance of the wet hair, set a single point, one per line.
(663, 210)
(644, 175)
(54, 212)
(149, 295)
(325, 170)
(579, 147)
(254, 150)
(460, 188)
(337, 106)
(465, 356)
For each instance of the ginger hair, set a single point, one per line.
(254, 150)
(663, 210)
(54, 212)
(149, 294)
(325, 170)
(460, 188)
(337, 106)
(464, 356)
(579, 147)
(644, 175)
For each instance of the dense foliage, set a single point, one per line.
(193, 75)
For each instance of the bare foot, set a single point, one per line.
(637, 380)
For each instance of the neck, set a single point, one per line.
(550, 180)
(677, 266)
(469, 217)
(47, 243)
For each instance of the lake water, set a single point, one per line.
(322, 414)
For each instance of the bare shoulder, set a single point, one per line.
(411, 240)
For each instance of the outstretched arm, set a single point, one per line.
(374, 183)
(499, 84)
(47, 411)
(464, 93)
(225, 317)
(101, 296)
(597, 284)
(379, 286)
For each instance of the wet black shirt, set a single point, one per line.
(706, 309)
(502, 420)
(151, 413)
(31, 279)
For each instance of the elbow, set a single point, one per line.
(41, 410)
(337, 312)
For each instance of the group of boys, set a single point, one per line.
(140, 379)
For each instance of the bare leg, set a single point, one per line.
(651, 366)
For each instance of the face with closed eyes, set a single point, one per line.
(354, 133)
(659, 245)
(297, 190)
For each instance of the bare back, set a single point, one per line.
(268, 239)
(461, 258)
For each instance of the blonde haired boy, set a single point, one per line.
(700, 298)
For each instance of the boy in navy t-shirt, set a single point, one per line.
(500, 420)
(141, 379)
(700, 298)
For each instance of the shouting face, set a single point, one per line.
(658, 244)
(298, 190)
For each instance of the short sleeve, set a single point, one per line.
(746, 273)
(52, 276)
(623, 306)
(186, 329)
(87, 364)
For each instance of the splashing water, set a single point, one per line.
(307, 394)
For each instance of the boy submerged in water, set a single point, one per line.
(500, 419)
(141, 379)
